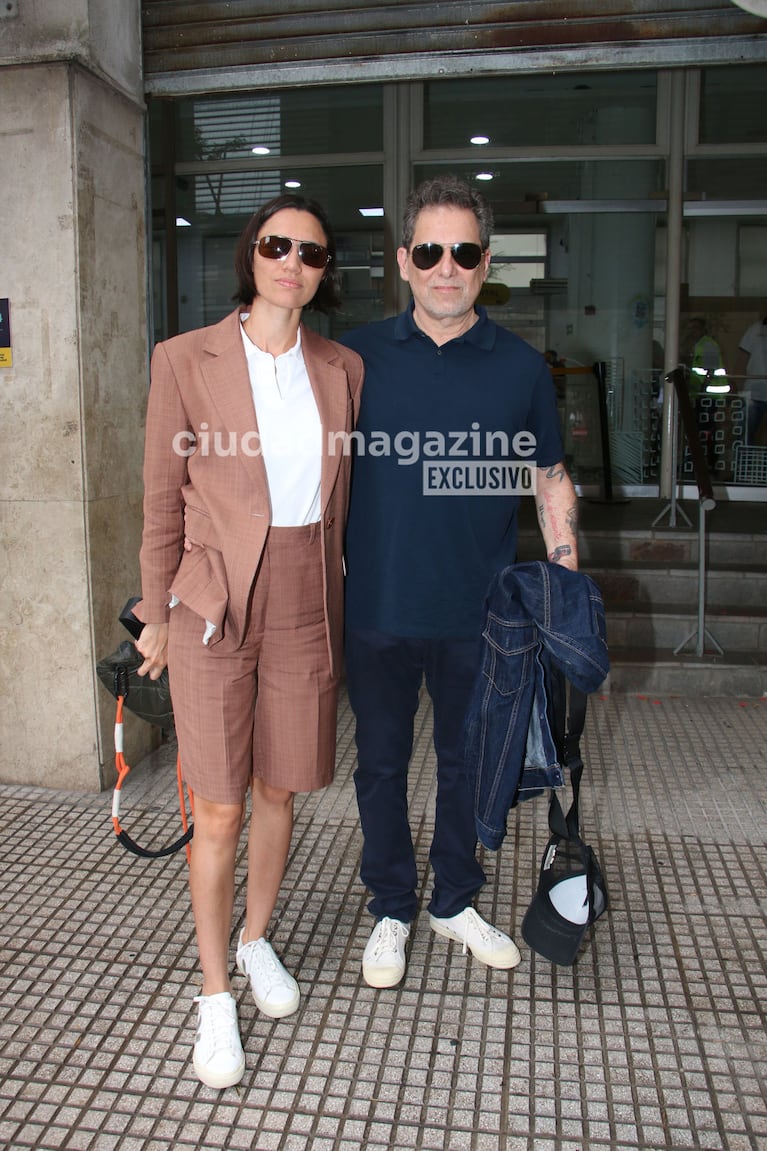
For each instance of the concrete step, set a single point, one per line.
(742, 587)
(648, 575)
(664, 626)
(665, 548)
(626, 532)
(660, 672)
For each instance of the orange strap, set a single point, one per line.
(122, 774)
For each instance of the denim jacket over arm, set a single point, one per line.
(540, 620)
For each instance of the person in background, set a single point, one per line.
(706, 359)
(421, 553)
(242, 584)
(752, 363)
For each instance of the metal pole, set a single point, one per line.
(396, 181)
(600, 371)
(701, 634)
(700, 646)
(674, 212)
(671, 507)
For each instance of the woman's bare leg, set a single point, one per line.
(271, 828)
(217, 829)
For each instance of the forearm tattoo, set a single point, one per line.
(557, 520)
(559, 553)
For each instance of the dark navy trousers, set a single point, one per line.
(384, 677)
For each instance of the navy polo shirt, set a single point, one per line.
(431, 518)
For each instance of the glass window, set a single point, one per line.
(732, 103)
(517, 258)
(752, 260)
(727, 178)
(213, 209)
(579, 244)
(533, 111)
(343, 191)
(516, 189)
(295, 122)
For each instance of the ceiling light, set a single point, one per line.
(292, 183)
(484, 176)
(371, 211)
(480, 140)
(755, 7)
(260, 150)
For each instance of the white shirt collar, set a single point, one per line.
(253, 350)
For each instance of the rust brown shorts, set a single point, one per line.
(268, 709)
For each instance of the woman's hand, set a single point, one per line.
(153, 645)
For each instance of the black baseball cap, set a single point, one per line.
(563, 908)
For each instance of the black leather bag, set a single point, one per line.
(145, 697)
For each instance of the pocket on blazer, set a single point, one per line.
(201, 585)
(198, 525)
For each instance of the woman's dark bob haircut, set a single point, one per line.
(327, 295)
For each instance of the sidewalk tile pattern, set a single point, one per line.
(655, 1040)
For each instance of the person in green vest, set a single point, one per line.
(707, 364)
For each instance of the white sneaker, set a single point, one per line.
(484, 941)
(383, 960)
(274, 989)
(218, 1056)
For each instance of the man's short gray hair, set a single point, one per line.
(447, 191)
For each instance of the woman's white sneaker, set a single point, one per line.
(275, 991)
(383, 960)
(484, 941)
(218, 1056)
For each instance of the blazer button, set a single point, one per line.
(330, 521)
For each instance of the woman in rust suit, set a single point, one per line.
(246, 479)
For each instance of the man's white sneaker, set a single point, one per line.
(484, 941)
(383, 960)
(274, 989)
(218, 1056)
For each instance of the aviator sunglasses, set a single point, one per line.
(277, 248)
(426, 256)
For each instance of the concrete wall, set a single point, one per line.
(102, 35)
(73, 265)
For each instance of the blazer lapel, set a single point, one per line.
(331, 392)
(225, 370)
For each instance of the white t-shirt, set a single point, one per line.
(754, 342)
(290, 432)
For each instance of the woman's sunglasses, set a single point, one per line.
(426, 256)
(277, 248)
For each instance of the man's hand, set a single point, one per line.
(153, 645)
(557, 507)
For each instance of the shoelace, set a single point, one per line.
(471, 919)
(387, 937)
(265, 960)
(218, 1021)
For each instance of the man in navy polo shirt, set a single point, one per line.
(458, 416)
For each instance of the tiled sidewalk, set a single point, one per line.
(656, 1039)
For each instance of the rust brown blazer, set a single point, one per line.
(204, 476)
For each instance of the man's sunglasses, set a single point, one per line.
(426, 256)
(277, 248)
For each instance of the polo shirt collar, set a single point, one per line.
(481, 334)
